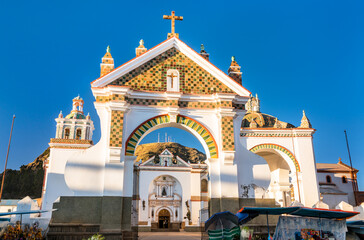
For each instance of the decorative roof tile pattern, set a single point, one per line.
(116, 128)
(263, 121)
(75, 115)
(227, 129)
(152, 76)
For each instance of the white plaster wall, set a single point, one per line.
(336, 178)
(333, 200)
(55, 184)
(303, 150)
(305, 156)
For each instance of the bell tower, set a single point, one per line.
(75, 127)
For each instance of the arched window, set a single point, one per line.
(78, 134)
(204, 186)
(344, 179)
(328, 179)
(67, 133)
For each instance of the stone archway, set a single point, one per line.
(284, 167)
(183, 122)
(281, 149)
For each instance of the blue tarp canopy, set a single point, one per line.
(324, 213)
(269, 211)
(300, 211)
(356, 226)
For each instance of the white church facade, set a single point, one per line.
(250, 156)
(165, 186)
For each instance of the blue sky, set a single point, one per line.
(295, 54)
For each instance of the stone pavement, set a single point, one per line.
(169, 235)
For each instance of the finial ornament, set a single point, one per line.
(233, 58)
(141, 42)
(339, 159)
(305, 123)
(253, 104)
(108, 49)
(202, 47)
(173, 17)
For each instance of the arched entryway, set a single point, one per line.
(164, 218)
(283, 168)
(196, 128)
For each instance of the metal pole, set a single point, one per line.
(353, 181)
(268, 226)
(6, 161)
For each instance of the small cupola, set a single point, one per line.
(305, 122)
(204, 54)
(141, 49)
(75, 125)
(107, 63)
(234, 71)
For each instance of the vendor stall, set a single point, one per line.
(304, 223)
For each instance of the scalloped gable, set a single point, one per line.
(148, 72)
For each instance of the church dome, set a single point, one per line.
(75, 115)
(262, 120)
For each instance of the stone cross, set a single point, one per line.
(172, 76)
(173, 17)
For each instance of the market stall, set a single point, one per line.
(304, 223)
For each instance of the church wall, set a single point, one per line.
(55, 177)
(336, 178)
(305, 156)
(303, 151)
(253, 172)
(195, 197)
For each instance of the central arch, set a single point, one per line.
(164, 120)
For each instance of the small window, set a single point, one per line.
(67, 133)
(78, 134)
(344, 179)
(328, 179)
(203, 185)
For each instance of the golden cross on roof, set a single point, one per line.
(172, 17)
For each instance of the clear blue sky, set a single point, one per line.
(295, 54)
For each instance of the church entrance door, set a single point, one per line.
(164, 219)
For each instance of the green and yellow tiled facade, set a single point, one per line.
(152, 76)
(227, 132)
(116, 128)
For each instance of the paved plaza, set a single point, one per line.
(169, 235)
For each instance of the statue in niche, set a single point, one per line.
(164, 192)
(188, 214)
